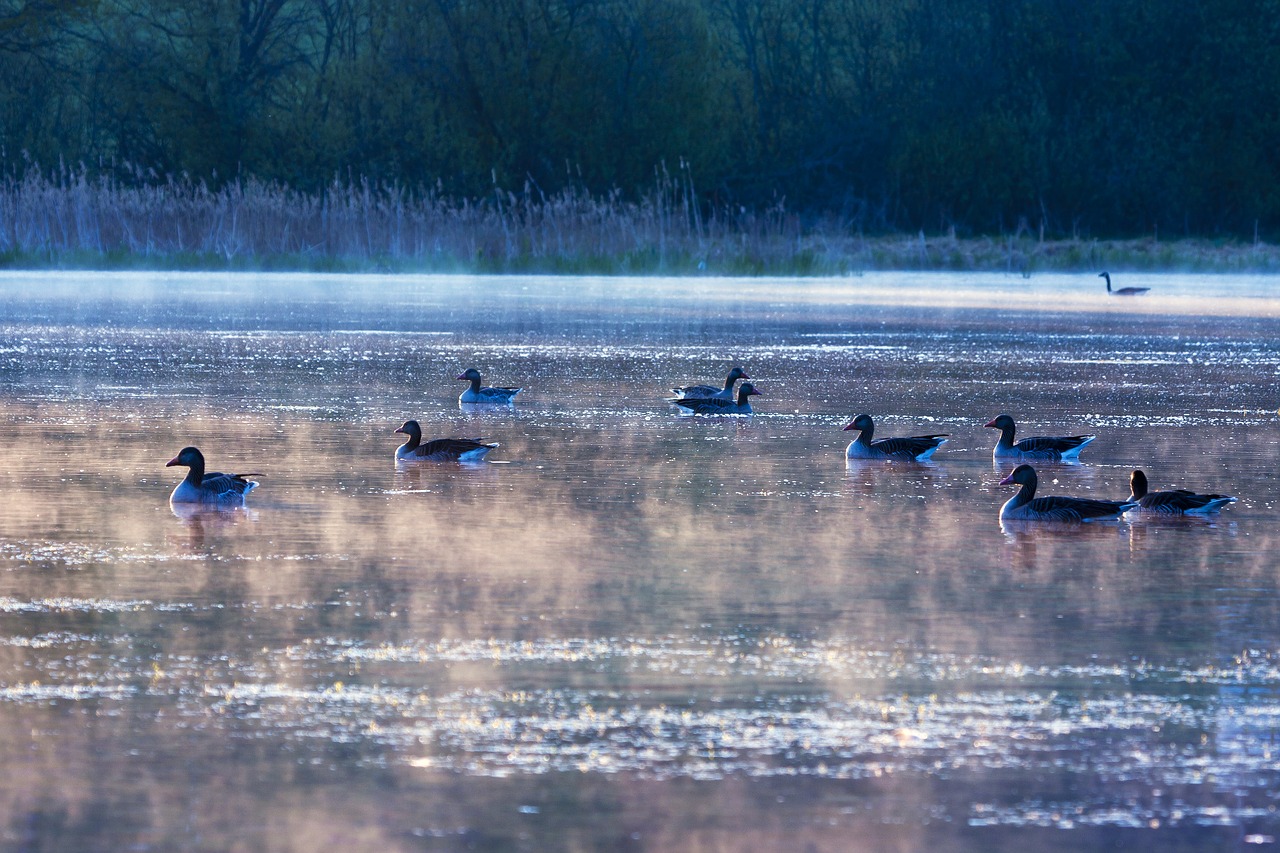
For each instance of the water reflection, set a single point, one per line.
(631, 620)
(202, 521)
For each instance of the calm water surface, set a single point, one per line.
(629, 629)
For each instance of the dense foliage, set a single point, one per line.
(1071, 117)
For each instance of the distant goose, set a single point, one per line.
(718, 406)
(702, 392)
(476, 394)
(917, 448)
(1025, 506)
(1037, 448)
(1175, 501)
(213, 488)
(1124, 291)
(441, 449)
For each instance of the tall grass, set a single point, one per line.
(70, 218)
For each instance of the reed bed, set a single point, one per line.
(73, 219)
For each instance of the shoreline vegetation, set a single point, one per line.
(73, 221)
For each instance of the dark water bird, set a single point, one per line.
(440, 449)
(1123, 291)
(487, 394)
(702, 392)
(1041, 448)
(916, 448)
(718, 405)
(1025, 506)
(1174, 501)
(211, 489)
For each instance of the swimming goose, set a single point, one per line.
(1175, 501)
(917, 448)
(1040, 447)
(718, 406)
(212, 488)
(476, 394)
(1025, 506)
(441, 449)
(1123, 291)
(702, 392)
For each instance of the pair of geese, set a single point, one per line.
(214, 488)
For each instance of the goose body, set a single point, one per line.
(1025, 506)
(1174, 501)
(703, 392)
(916, 448)
(440, 449)
(487, 394)
(211, 488)
(718, 405)
(1041, 448)
(1122, 291)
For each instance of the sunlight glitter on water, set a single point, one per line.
(631, 600)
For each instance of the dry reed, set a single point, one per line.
(73, 218)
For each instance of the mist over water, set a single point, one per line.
(630, 629)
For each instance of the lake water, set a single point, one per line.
(631, 630)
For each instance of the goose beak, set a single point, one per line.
(172, 462)
(1007, 481)
(846, 429)
(991, 423)
(397, 429)
(463, 376)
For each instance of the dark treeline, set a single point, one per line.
(1069, 117)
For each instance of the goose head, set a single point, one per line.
(861, 422)
(188, 457)
(1023, 475)
(1138, 484)
(411, 429)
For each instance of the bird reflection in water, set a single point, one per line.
(867, 476)
(1147, 529)
(202, 521)
(1024, 538)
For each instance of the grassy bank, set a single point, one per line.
(73, 221)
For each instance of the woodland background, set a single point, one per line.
(1068, 118)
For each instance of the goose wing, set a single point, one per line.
(1182, 501)
(1058, 508)
(221, 485)
(451, 448)
(497, 394)
(913, 447)
(711, 406)
(1052, 444)
(694, 392)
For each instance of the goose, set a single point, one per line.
(1025, 506)
(1040, 447)
(702, 392)
(1123, 291)
(1175, 501)
(213, 488)
(476, 394)
(917, 448)
(441, 449)
(718, 406)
